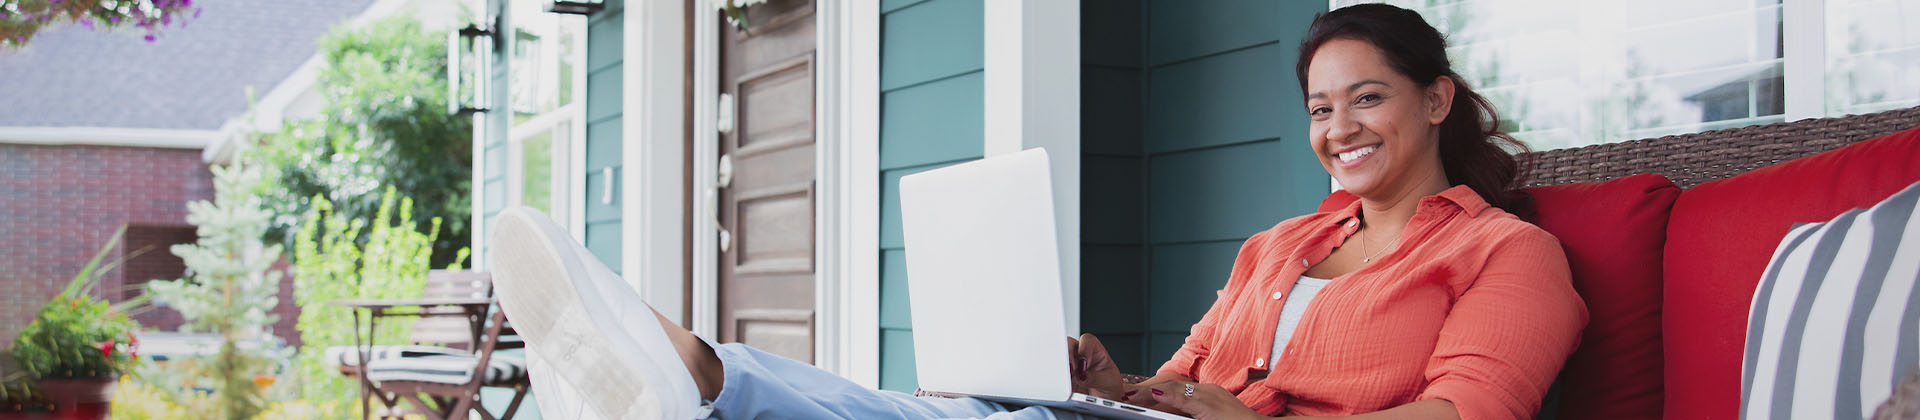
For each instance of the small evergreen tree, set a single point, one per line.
(230, 290)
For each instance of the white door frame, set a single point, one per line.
(1032, 98)
(847, 176)
(651, 153)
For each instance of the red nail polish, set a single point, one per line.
(1157, 392)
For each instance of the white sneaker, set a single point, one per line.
(587, 325)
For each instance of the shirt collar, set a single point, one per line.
(1459, 196)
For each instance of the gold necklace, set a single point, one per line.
(1368, 243)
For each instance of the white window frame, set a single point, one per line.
(566, 150)
(1803, 31)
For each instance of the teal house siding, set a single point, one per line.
(493, 141)
(605, 33)
(1193, 120)
(931, 115)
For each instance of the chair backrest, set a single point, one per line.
(450, 331)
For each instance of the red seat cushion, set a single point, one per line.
(1613, 233)
(1718, 242)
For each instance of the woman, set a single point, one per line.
(1425, 298)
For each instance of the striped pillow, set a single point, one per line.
(1833, 323)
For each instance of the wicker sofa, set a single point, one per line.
(1667, 238)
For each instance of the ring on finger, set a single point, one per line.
(1189, 390)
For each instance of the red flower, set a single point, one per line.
(133, 346)
(106, 349)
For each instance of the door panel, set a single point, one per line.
(766, 274)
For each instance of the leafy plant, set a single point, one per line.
(77, 335)
(21, 19)
(385, 125)
(230, 291)
(336, 256)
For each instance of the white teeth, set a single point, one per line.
(1357, 153)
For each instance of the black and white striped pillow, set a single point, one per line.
(1834, 320)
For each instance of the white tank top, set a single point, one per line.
(1291, 311)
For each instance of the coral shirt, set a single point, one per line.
(1475, 307)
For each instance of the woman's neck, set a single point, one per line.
(1389, 214)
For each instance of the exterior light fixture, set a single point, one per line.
(470, 53)
(576, 7)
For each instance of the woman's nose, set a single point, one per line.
(1340, 128)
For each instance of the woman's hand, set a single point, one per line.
(1201, 401)
(1093, 370)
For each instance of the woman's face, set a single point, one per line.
(1375, 130)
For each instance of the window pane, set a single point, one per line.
(536, 189)
(1565, 73)
(1873, 55)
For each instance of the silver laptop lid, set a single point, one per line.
(983, 278)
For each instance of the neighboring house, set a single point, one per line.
(1175, 129)
(100, 130)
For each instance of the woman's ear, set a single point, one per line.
(1439, 99)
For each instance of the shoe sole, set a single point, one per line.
(536, 288)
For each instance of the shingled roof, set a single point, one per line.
(190, 78)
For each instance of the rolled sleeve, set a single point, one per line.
(1509, 332)
(1200, 338)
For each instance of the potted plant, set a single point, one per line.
(76, 347)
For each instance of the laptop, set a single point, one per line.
(983, 278)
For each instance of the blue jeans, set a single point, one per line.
(763, 386)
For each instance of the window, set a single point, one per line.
(547, 59)
(1566, 73)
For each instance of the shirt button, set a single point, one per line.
(1276, 295)
(1303, 263)
(1351, 222)
(1260, 362)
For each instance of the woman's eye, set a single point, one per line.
(1369, 98)
(1319, 110)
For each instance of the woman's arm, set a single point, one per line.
(1509, 333)
(1434, 409)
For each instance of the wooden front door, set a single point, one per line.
(766, 269)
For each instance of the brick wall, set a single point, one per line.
(59, 205)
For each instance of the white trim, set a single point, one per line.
(1032, 99)
(577, 146)
(847, 276)
(706, 147)
(1803, 27)
(110, 136)
(652, 147)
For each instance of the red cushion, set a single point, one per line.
(1718, 242)
(1616, 371)
(1613, 232)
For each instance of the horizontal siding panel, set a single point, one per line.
(605, 35)
(896, 361)
(1111, 204)
(598, 211)
(890, 203)
(496, 192)
(1110, 33)
(1185, 278)
(894, 304)
(496, 162)
(1231, 98)
(1160, 348)
(936, 122)
(606, 87)
(1112, 289)
(1111, 107)
(603, 240)
(603, 145)
(1183, 31)
(1231, 192)
(929, 41)
(888, 6)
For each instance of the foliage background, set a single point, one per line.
(385, 125)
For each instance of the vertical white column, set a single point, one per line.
(1804, 29)
(847, 267)
(653, 144)
(1033, 100)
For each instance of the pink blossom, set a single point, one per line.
(149, 38)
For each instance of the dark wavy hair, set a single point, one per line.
(1473, 149)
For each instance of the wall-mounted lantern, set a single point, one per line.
(469, 69)
(576, 7)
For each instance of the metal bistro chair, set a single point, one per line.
(450, 356)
